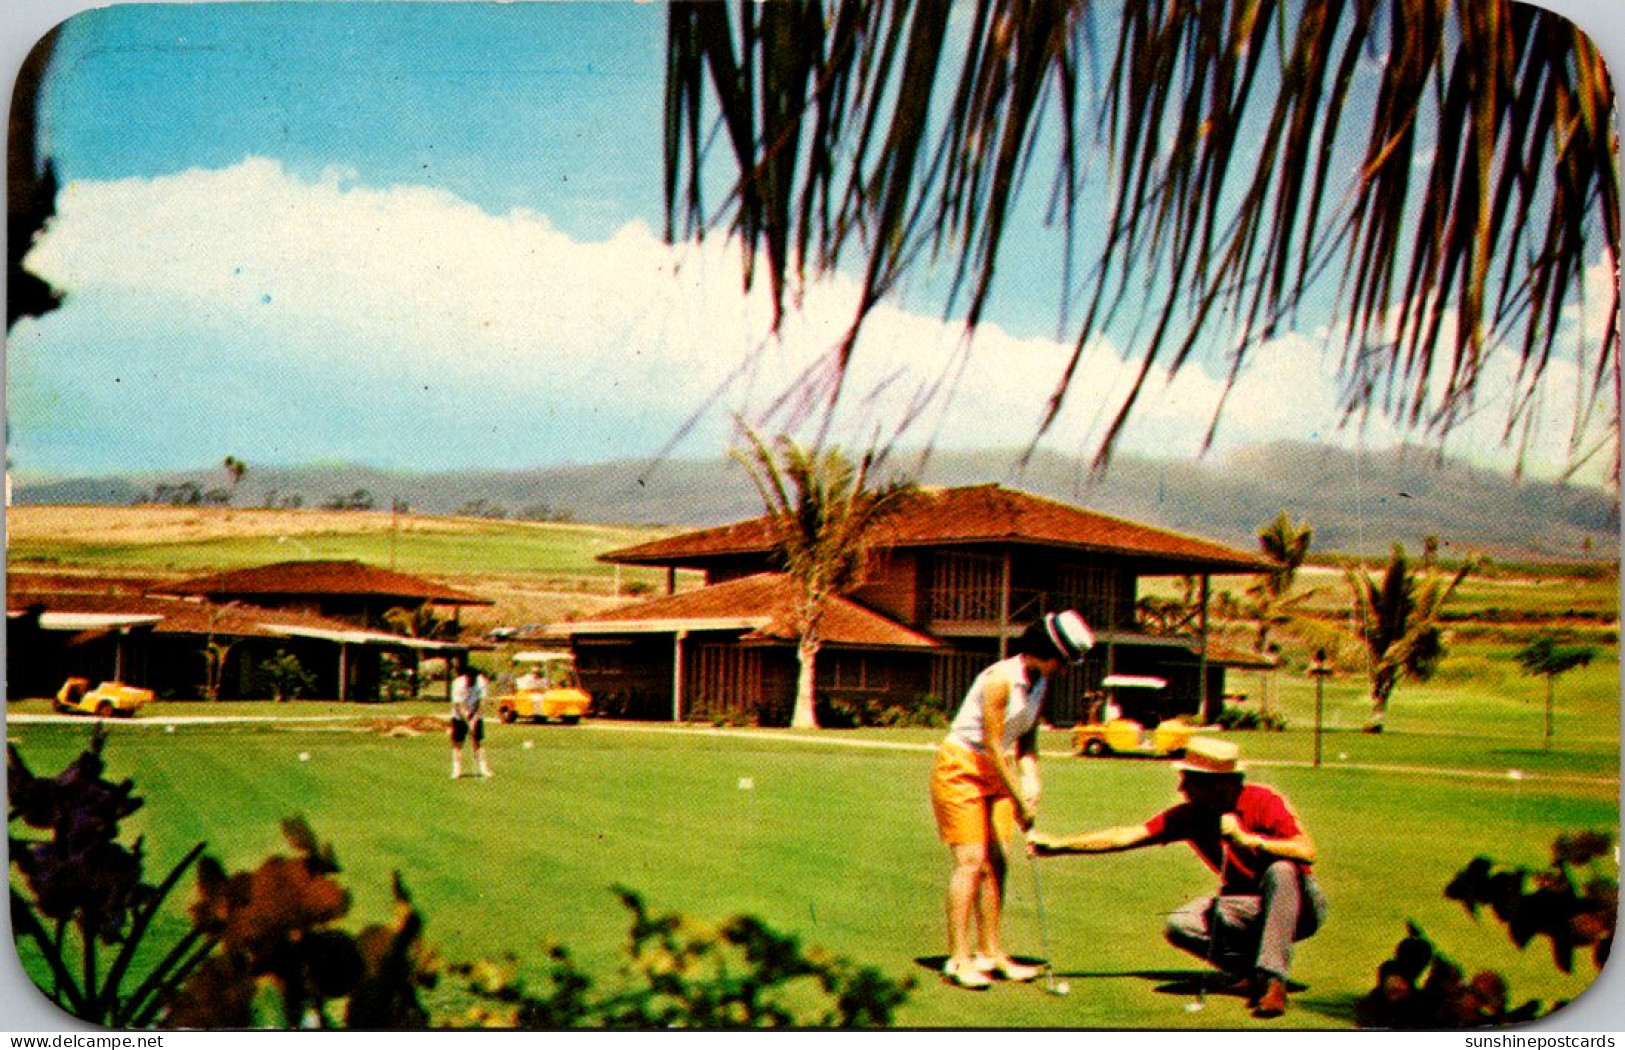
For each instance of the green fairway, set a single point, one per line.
(835, 843)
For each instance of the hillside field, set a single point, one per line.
(535, 572)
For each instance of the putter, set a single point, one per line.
(1212, 934)
(1051, 985)
(1212, 937)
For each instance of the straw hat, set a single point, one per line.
(1206, 755)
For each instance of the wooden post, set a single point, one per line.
(1004, 607)
(1201, 664)
(1319, 669)
(677, 675)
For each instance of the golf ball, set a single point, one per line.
(529, 744)
(304, 756)
(1062, 988)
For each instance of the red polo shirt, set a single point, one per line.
(1262, 811)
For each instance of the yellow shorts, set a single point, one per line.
(968, 798)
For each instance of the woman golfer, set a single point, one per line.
(977, 797)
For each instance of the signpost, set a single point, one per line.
(1319, 669)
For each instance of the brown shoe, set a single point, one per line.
(1272, 1003)
(1242, 985)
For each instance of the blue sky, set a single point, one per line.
(426, 236)
(500, 105)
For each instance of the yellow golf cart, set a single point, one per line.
(1111, 731)
(546, 690)
(105, 701)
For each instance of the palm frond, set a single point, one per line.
(898, 135)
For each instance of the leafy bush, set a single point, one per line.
(1246, 718)
(282, 960)
(397, 680)
(1574, 904)
(687, 974)
(925, 712)
(1419, 988)
(281, 677)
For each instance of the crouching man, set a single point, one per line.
(1247, 833)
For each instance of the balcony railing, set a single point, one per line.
(981, 606)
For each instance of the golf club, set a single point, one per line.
(1212, 932)
(1051, 985)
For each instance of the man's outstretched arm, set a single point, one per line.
(1106, 840)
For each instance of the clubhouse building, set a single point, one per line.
(956, 576)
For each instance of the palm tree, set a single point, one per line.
(1544, 656)
(235, 469)
(1286, 544)
(824, 515)
(418, 622)
(1398, 620)
(1456, 157)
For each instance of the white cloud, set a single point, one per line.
(408, 327)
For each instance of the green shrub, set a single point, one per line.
(1246, 718)
(1573, 904)
(853, 711)
(281, 677)
(687, 974)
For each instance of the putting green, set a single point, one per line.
(835, 844)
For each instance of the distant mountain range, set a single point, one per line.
(1357, 502)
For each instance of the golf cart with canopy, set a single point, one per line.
(1117, 724)
(547, 689)
(107, 700)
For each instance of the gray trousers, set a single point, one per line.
(1241, 934)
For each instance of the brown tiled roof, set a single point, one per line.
(180, 616)
(322, 578)
(761, 605)
(973, 514)
(28, 578)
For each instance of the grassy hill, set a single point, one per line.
(535, 571)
